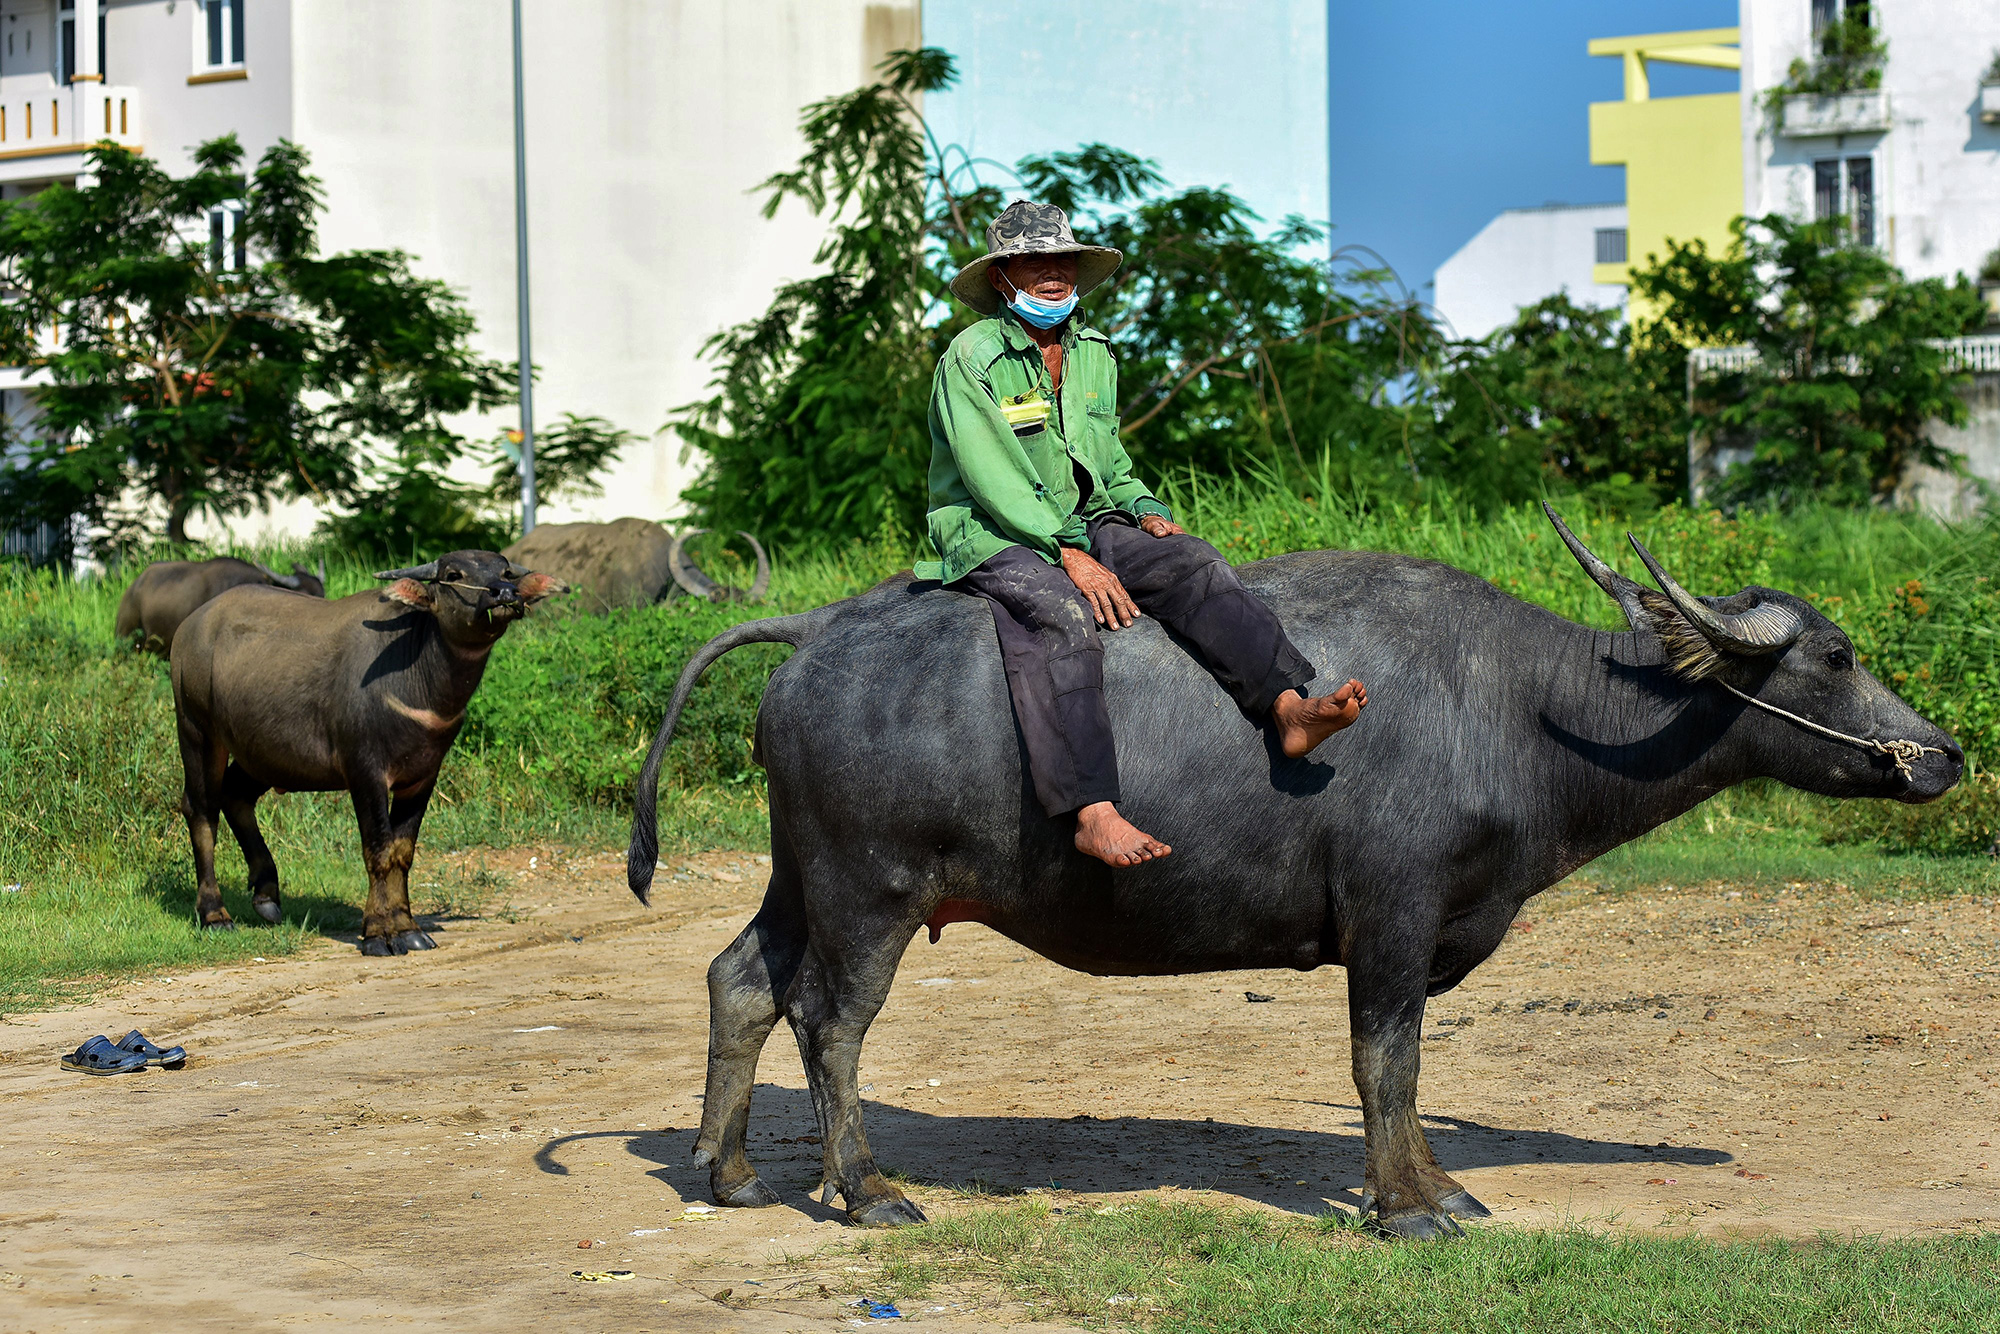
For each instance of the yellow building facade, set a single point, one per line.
(1683, 156)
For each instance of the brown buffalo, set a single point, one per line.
(364, 695)
(167, 591)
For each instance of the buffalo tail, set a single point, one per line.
(643, 857)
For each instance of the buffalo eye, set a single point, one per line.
(1840, 659)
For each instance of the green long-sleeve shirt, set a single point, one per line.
(1005, 447)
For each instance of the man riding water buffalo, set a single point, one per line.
(1033, 506)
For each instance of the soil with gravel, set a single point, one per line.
(428, 1141)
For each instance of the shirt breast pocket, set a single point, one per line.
(1103, 426)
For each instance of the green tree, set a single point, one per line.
(1234, 347)
(1846, 378)
(1563, 399)
(209, 378)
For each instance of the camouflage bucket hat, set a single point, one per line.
(1027, 228)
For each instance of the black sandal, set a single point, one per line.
(167, 1058)
(99, 1057)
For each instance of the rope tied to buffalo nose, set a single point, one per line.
(1903, 752)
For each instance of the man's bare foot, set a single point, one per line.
(1103, 833)
(1303, 723)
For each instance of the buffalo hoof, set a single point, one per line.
(752, 1194)
(1460, 1204)
(406, 941)
(269, 910)
(887, 1213)
(381, 947)
(1418, 1226)
(224, 925)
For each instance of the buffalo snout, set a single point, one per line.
(1936, 771)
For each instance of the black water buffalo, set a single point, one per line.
(365, 695)
(167, 592)
(1503, 747)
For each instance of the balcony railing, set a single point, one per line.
(67, 120)
(1976, 353)
(1809, 114)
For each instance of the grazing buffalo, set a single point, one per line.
(167, 592)
(1503, 748)
(365, 694)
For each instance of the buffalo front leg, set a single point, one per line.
(202, 766)
(388, 845)
(240, 793)
(746, 988)
(834, 998)
(1403, 1188)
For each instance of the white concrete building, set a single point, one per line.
(1916, 163)
(1526, 254)
(649, 124)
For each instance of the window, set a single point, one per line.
(1826, 12)
(1610, 245)
(220, 35)
(1861, 199)
(1846, 189)
(228, 242)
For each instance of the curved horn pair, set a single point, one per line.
(424, 573)
(1763, 629)
(696, 584)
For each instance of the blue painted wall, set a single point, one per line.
(1218, 92)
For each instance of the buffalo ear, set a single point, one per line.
(538, 586)
(410, 593)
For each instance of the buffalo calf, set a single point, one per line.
(365, 695)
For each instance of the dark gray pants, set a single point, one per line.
(1055, 660)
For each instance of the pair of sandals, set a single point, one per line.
(134, 1051)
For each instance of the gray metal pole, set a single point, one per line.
(521, 291)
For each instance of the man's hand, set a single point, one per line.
(1160, 526)
(1109, 602)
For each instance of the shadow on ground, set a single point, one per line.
(1295, 1170)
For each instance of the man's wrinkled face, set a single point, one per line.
(1044, 277)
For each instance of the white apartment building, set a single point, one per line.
(650, 122)
(1916, 163)
(1526, 254)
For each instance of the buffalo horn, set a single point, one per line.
(290, 581)
(1763, 629)
(692, 581)
(322, 570)
(1616, 586)
(762, 583)
(418, 572)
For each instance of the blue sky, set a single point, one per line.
(1426, 118)
(1445, 112)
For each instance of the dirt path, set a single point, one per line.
(423, 1142)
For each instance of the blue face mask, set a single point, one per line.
(1042, 314)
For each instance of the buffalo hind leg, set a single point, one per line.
(746, 988)
(834, 998)
(388, 845)
(240, 793)
(202, 767)
(1403, 1187)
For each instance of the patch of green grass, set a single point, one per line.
(1763, 836)
(90, 775)
(1187, 1266)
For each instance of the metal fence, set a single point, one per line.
(42, 544)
